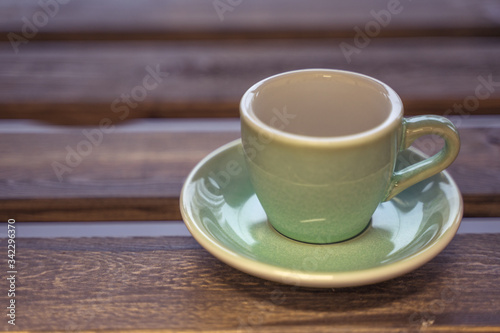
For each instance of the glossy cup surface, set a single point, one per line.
(320, 146)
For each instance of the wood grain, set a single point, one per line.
(171, 284)
(80, 83)
(197, 19)
(136, 172)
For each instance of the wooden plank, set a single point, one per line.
(137, 171)
(171, 284)
(80, 83)
(198, 19)
(317, 329)
(481, 205)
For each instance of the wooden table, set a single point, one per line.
(143, 90)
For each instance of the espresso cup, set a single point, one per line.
(321, 147)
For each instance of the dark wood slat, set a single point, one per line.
(79, 82)
(197, 19)
(481, 205)
(171, 284)
(137, 172)
(76, 208)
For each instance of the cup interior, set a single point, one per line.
(322, 103)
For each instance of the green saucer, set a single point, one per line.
(222, 212)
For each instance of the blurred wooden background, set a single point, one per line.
(105, 106)
(78, 63)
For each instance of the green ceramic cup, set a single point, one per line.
(321, 146)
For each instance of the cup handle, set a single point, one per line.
(414, 128)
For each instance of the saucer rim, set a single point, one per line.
(316, 279)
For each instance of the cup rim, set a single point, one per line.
(393, 119)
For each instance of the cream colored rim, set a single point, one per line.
(391, 122)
